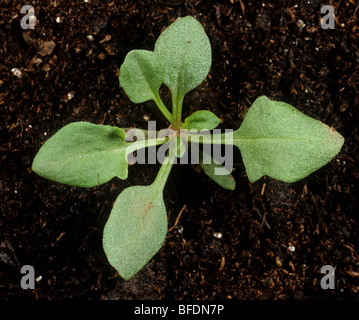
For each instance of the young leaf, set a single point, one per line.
(201, 120)
(137, 226)
(209, 166)
(141, 75)
(83, 154)
(277, 140)
(186, 54)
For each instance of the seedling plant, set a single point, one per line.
(275, 139)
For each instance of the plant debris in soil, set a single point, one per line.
(266, 240)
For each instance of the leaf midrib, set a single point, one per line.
(70, 158)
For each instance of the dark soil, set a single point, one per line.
(275, 236)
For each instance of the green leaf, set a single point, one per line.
(186, 55)
(201, 120)
(135, 230)
(83, 154)
(277, 140)
(141, 75)
(137, 226)
(211, 167)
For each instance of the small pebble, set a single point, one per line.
(16, 72)
(37, 61)
(70, 95)
(218, 235)
(300, 24)
(46, 67)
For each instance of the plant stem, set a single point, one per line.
(178, 107)
(145, 131)
(165, 169)
(133, 146)
(164, 110)
(174, 104)
(218, 138)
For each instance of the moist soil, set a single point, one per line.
(264, 240)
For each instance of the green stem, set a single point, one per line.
(178, 103)
(145, 131)
(218, 138)
(133, 146)
(164, 110)
(165, 170)
(174, 104)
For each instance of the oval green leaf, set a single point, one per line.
(211, 167)
(277, 140)
(83, 154)
(141, 75)
(186, 55)
(137, 226)
(201, 120)
(135, 230)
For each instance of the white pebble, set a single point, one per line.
(16, 72)
(218, 235)
(70, 95)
